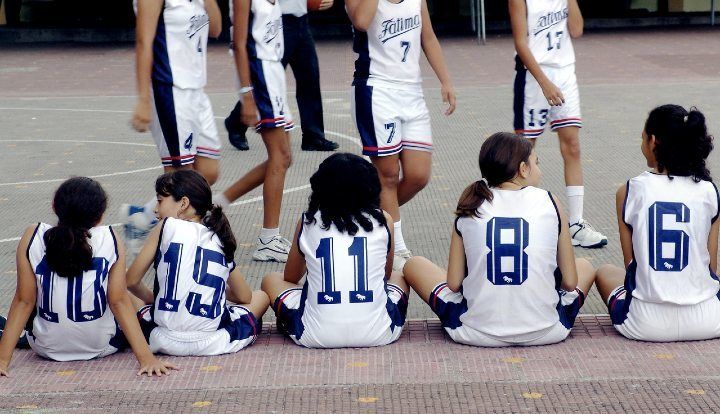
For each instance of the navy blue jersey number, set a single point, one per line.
(673, 243)
(405, 44)
(557, 37)
(357, 250)
(507, 262)
(201, 276)
(74, 310)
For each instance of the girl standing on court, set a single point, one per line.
(258, 50)
(193, 251)
(668, 225)
(512, 278)
(71, 277)
(387, 100)
(342, 244)
(542, 30)
(171, 70)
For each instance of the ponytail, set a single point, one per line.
(472, 198)
(79, 203)
(216, 221)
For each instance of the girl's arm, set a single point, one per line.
(215, 17)
(124, 313)
(575, 19)
(713, 245)
(295, 266)
(238, 289)
(565, 253)
(148, 13)
(361, 13)
(456, 262)
(435, 57)
(22, 305)
(391, 250)
(142, 263)
(241, 20)
(518, 20)
(623, 229)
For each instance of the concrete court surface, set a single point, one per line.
(65, 110)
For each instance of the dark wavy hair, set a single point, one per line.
(500, 158)
(190, 184)
(682, 141)
(345, 190)
(79, 204)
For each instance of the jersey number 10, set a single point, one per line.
(358, 250)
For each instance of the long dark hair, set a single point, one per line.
(79, 204)
(190, 184)
(500, 158)
(345, 189)
(682, 143)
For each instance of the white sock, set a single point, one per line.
(399, 240)
(221, 200)
(575, 195)
(267, 234)
(149, 210)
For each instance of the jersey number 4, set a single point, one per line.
(507, 239)
(668, 248)
(358, 250)
(201, 276)
(74, 293)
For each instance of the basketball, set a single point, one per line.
(314, 5)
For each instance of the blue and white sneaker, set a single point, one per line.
(276, 250)
(584, 235)
(136, 228)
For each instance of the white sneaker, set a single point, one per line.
(136, 227)
(400, 258)
(276, 250)
(584, 235)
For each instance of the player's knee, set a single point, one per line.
(571, 149)
(281, 160)
(604, 271)
(269, 280)
(389, 177)
(418, 181)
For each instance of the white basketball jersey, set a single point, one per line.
(346, 299)
(191, 277)
(548, 36)
(265, 37)
(389, 52)
(511, 255)
(180, 46)
(670, 222)
(73, 321)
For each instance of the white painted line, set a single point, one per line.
(259, 198)
(66, 110)
(57, 180)
(80, 141)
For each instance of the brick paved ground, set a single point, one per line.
(65, 110)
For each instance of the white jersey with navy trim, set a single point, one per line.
(191, 277)
(389, 52)
(265, 37)
(548, 36)
(511, 256)
(670, 221)
(346, 302)
(73, 321)
(180, 45)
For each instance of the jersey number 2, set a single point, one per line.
(358, 250)
(507, 239)
(668, 248)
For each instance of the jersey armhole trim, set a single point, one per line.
(115, 242)
(717, 206)
(557, 211)
(159, 243)
(27, 251)
(302, 226)
(459, 233)
(627, 194)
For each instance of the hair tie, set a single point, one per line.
(685, 118)
(484, 180)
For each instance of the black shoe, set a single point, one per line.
(320, 144)
(237, 137)
(22, 342)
